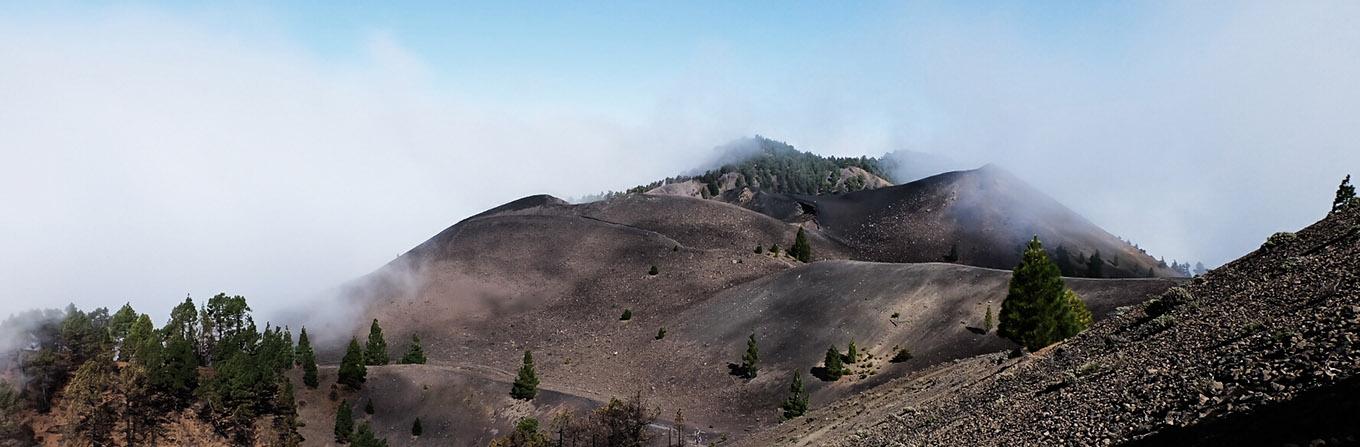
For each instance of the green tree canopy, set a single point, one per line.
(344, 422)
(307, 358)
(526, 383)
(1037, 311)
(375, 352)
(801, 249)
(797, 403)
(832, 364)
(750, 361)
(353, 373)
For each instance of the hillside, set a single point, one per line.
(1258, 352)
(759, 164)
(986, 215)
(553, 278)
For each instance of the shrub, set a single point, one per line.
(653, 271)
(1173, 298)
(900, 356)
(1161, 323)
(627, 315)
(416, 429)
(660, 333)
(987, 321)
(760, 249)
(1279, 240)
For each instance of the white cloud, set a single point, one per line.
(146, 157)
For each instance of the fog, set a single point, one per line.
(149, 155)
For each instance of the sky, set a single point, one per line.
(150, 151)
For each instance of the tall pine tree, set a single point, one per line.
(353, 373)
(1037, 311)
(344, 423)
(797, 402)
(526, 384)
(801, 249)
(307, 358)
(750, 361)
(375, 353)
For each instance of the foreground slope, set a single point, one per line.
(1259, 352)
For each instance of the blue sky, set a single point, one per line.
(285, 147)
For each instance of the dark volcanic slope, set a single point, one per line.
(543, 275)
(798, 313)
(1261, 351)
(987, 212)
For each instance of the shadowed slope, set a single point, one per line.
(988, 213)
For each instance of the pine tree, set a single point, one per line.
(774, 249)
(120, 324)
(375, 353)
(368, 407)
(1037, 311)
(653, 271)
(344, 423)
(526, 384)
(987, 320)
(1095, 267)
(289, 355)
(415, 355)
(760, 249)
(353, 373)
(142, 345)
(416, 430)
(1345, 195)
(801, 249)
(851, 353)
(364, 437)
(304, 346)
(797, 402)
(750, 360)
(627, 315)
(660, 333)
(304, 356)
(832, 365)
(309, 377)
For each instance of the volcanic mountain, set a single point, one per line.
(543, 275)
(983, 217)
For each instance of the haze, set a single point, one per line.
(154, 151)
